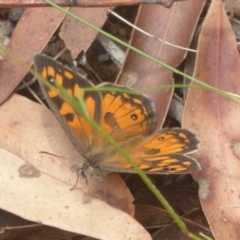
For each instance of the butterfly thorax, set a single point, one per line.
(92, 165)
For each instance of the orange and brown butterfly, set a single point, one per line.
(129, 118)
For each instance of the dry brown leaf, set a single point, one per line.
(32, 33)
(36, 186)
(216, 121)
(158, 218)
(151, 216)
(175, 25)
(14, 227)
(173, 232)
(78, 36)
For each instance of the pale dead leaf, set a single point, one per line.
(36, 186)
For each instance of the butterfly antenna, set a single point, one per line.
(52, 154)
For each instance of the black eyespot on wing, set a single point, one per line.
(134, 117)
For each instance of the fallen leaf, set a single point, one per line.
(33, 31)
(175, 25)
(36, 186)
(216, 121)
(78, 36)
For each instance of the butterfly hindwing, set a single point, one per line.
(163, 152)
(170, 140)
(77, 128)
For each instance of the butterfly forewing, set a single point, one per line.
(77, 128)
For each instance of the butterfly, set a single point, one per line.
(127, 116)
